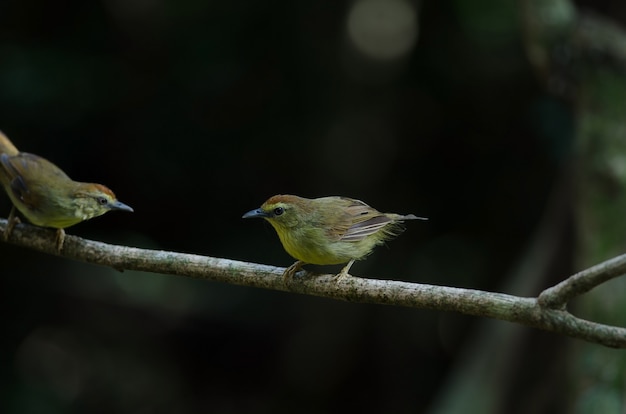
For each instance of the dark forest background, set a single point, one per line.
(195, 112)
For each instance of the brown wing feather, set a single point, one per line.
(15, 180)
(362, 229)
(22, 175)
(357, 221)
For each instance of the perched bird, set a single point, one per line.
(46, 196)
(328, 230)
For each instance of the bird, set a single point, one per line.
(46, 196)
(328, 230)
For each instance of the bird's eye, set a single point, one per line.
(102, 201)
(278, 211)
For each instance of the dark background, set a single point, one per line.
(195, 112)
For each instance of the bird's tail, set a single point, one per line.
(412, 217)
(6, 146)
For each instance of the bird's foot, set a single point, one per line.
(59, 240)
(291, 271)
(11, 222)
(344, 272)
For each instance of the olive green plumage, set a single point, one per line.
(328, 230)
(46, 196)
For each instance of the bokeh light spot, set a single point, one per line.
(382, 29)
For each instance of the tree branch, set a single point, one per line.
(557, 296)
(547, 313)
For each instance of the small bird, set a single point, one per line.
(46, 196)
(328, 230)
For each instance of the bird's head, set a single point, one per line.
(282, 211)
(93, 200)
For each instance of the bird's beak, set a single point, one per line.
(118, 205)
(256, 213)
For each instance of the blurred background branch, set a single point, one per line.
(580, 59)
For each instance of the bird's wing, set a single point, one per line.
(358, 221)
(24, 172)
(12, 167)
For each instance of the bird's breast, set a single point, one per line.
(313, 246)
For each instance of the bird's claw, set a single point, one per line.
(11, 222)
(60, 240)
(289, 273)
(344, 272)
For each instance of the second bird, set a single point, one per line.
(328, 230)
(46, 196)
